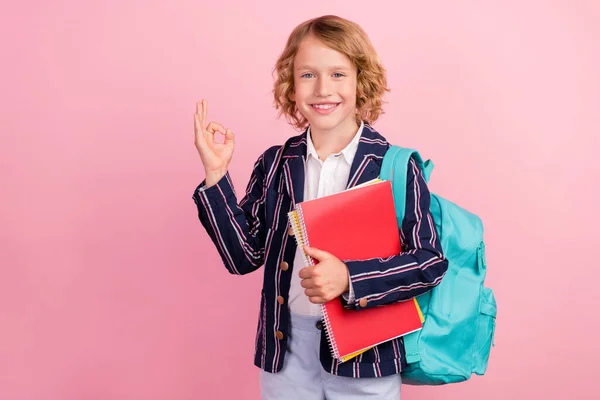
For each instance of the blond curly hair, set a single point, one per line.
(348, 38)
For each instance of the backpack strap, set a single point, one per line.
(411, 347)
(395, 168)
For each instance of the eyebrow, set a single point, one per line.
(335, 67)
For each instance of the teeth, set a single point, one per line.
(324, 106)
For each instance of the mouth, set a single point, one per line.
(325, 106)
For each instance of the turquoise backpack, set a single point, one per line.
(460, 312)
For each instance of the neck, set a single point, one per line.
(330, 141)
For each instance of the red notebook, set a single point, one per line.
(356, 224)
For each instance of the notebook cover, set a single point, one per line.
(358, 224)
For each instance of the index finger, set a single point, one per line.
(305, 273)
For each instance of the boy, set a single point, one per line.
(330, 84)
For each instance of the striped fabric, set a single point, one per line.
(254, 232)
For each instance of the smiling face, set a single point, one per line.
(325, 87)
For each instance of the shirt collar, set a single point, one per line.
(348, 152)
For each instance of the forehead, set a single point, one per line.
(313, 53)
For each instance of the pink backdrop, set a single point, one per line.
(110, 288)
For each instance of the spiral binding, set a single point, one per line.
(300, 233)
(299, 227)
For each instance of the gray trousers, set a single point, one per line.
(303, 377)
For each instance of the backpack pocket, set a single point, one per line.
(484, 335)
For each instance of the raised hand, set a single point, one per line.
(215, 156)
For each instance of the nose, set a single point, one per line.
(322, 87)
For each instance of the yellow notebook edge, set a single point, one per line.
(419, 310)
(356, 353)
(367, 183)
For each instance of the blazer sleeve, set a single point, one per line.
(421, 265)
(237, 230)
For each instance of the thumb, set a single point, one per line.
(229, 138)
(315, 253)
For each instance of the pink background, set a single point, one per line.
(111, 289)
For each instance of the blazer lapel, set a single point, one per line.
(294, 160)
(369, 155)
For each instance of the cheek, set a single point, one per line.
(350, 92)
(300, 92)
(350, 97)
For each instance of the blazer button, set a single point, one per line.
(363, 302)
(319, 325)
(291, 231)
(284, 266)
(279, 335)
(280, 299)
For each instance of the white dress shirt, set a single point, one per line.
(321, 178)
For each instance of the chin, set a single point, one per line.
(323, 125)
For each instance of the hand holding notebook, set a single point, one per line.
(327, 279)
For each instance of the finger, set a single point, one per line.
(198, 131)
(229, 138)
(216, 127)
(204, 112)
(197, 127)
(305, 272)
(313, 293)
(307, 283)
(316, 300)
(315, 253)
(200, 113)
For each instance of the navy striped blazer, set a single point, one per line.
(254, 232)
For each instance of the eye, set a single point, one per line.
(338, 75)
(307, 75)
